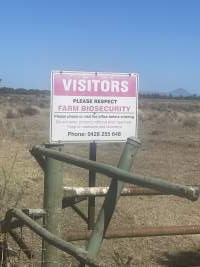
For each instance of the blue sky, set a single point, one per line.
(159, 39)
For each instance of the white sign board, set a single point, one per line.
(87, 107)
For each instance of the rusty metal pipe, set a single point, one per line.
(139, 232)
(21, 243)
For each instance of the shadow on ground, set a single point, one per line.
(181, 259)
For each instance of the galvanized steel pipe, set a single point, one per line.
(100, 191)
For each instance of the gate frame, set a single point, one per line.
(119, 176)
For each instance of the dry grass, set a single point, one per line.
(191, 122)
(21, 112)
(169, 132)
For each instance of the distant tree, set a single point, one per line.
(0, 80)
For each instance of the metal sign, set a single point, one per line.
(88, 106)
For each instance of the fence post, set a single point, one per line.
(92, 183)
(53, 194)
(111, 199)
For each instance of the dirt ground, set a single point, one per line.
(169, 131)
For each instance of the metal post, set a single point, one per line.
(111, 199)
(53, 194)
(92, 183)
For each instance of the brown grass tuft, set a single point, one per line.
(28, 111)
(12, 114)
(190, 122)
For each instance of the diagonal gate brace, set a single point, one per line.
(111, 199)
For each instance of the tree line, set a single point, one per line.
(23, 91)
(169, 96)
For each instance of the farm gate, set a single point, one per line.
(57, 197)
